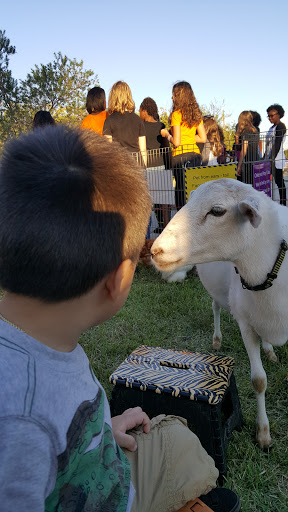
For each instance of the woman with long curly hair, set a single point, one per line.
(187, 130)
(123, 125)
(248, 138)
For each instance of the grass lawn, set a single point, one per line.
(179, 316)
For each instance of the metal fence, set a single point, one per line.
(172, 175)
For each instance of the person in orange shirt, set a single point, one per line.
(187, 130)
(96, 107)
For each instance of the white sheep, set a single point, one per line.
(216, 278)
(231, 224)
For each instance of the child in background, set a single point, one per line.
(154, 140)
(256, 119)
(212, 149)
(72, 226)
(42, 118)
(158, 154)
(123, 125)
(275, 140)
(96, 107)
(256, 122)
(247, 136)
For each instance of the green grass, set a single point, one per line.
(179, 315)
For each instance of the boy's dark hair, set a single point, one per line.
(73, 206)
(95, 101)
(42, 118)
(151, 108)
(278, 108)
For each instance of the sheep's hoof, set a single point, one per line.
(263, 437)
(216, 345)
(271, 356)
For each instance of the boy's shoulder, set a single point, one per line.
(32, 374)
(15, 373)
(52, 390)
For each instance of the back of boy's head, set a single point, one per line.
(73, 206)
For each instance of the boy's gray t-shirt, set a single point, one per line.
(57, 449)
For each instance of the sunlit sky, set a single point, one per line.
(231, 51)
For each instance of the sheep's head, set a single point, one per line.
(216, 224)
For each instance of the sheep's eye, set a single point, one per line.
(217, 211)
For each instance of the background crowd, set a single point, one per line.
(194, 139)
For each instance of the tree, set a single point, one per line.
(9, 91)
(60, 87)
(217, 110)
(164, 117)
(8, 86)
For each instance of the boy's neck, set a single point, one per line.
(57, 325)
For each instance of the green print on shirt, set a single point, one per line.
(96, 480)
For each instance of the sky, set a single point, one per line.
(234, 52)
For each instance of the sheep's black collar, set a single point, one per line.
(272, 275)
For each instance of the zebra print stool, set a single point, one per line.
(198, 387)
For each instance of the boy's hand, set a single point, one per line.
(131, 418)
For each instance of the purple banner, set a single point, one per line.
(262, 172)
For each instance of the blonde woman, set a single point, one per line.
(186, 131)
(123, 125)
(248, 138)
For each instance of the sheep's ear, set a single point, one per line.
(250, 209)
(191, 194)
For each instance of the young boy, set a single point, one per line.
(74, 210)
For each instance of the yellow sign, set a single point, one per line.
(195, 176)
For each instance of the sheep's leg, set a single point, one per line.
(269, 351)
(259, 382)
(217, 336)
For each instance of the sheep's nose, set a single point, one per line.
(159, 250)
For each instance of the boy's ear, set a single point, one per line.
(120, 280)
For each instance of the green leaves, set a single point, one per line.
(9, 91)
(7, 83)
(217, 110)
(60, 86)
(164, 117)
